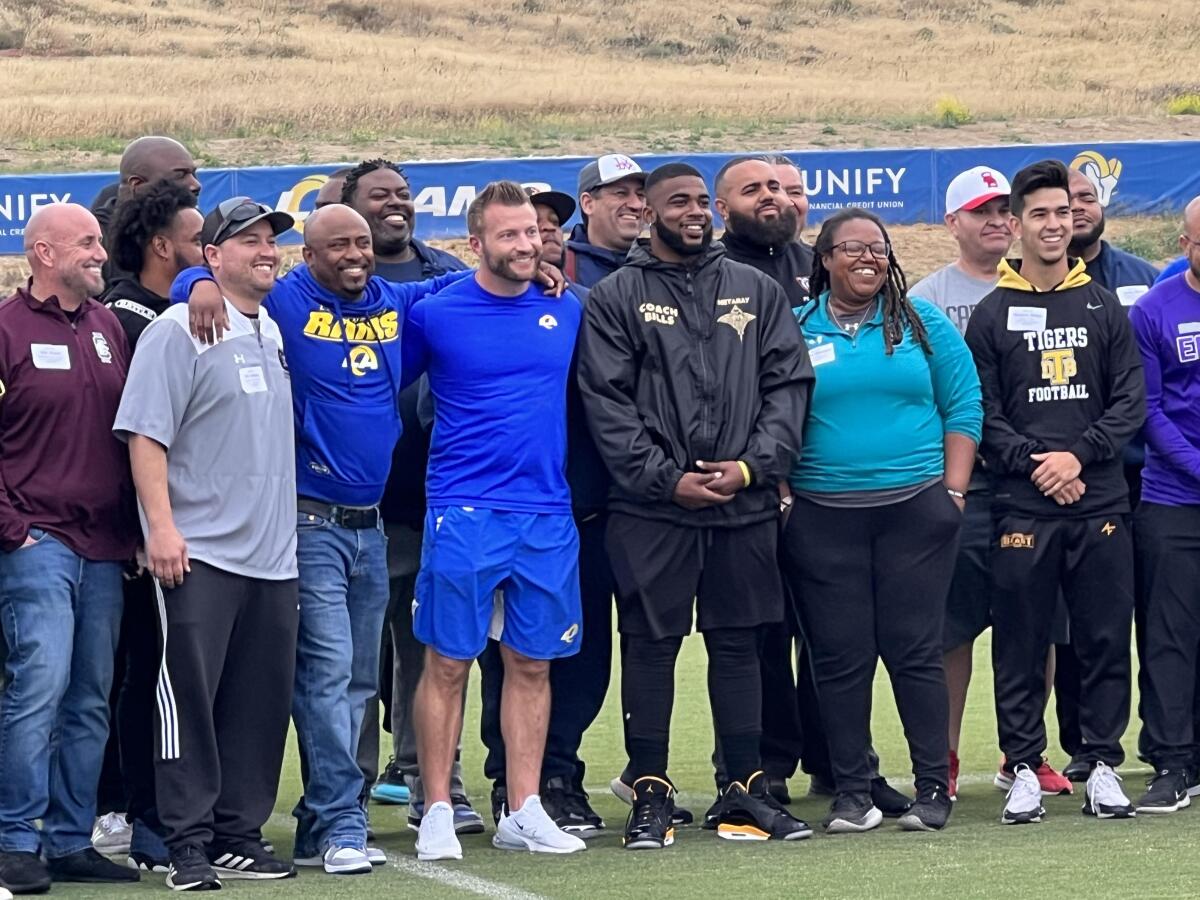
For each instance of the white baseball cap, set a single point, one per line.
(975, 187)
(607, 169)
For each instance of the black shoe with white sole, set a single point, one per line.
(1167, 792)
(889, 801)
(852, 813)
(247, 860)
(930, 812)
(649, 825)
(191, 871)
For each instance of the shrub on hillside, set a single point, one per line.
(1184, 105)
(950, 112)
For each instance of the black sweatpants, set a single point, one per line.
(734, 692)
(224, 700)
(1091, 561)
(1168, 549)
(872, 585)
(578, 684)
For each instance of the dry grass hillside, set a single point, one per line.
(541, 75)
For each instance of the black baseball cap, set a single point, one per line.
(562, 204)
(236, 214)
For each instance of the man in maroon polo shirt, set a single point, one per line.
(67, 526)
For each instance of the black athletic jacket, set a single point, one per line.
(1060, 371)
(135, 307)
(678, 364)
(790, 264)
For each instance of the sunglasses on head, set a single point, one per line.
(236, 210)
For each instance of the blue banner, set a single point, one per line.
(903, 186)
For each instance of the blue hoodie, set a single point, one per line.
(344, 359)
(584, 262)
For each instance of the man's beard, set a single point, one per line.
(764, 233)
(389, 246)
(502, 267)
(1079, 243)
(674, 239)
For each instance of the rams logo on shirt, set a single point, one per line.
(548, 321)
(362, 359)
(324, 326)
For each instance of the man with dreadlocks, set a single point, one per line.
(695, 383)
(1063, 393)
(878, 497)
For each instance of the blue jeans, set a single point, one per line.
(61, 615)
(343, 601)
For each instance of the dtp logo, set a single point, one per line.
(1102, 173)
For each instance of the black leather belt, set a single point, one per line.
(343, 516)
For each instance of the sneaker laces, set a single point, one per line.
(1104, 787)
(1026, 791)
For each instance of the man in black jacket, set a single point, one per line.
(696, 382)
(1062, 395)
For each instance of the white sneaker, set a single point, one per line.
(5, 894)
(530, 828)
(1023, 805)
(111, 834)
(436, 838)
(346, 861)
(1105, 797)
(376, 856)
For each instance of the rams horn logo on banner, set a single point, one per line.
(291, 200)
(1101, 172)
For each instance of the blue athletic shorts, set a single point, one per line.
(507, 575)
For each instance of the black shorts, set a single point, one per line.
(669, 575)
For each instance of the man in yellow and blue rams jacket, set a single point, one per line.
(341, 331)
(1063, 393)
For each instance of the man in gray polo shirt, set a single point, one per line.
(211, 444)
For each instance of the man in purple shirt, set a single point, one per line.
(66, 529)
(1166, 321)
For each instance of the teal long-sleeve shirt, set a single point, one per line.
(877, 421)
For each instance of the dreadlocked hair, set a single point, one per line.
(898, 311)
(366, 167)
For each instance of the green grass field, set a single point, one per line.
(1069, 855)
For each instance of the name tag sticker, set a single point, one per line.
(1189, 327)
(1026, 318)
(1129, 293)
(821, 354)
(50, 356)
(253, 380)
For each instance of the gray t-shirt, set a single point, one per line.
(224, 413)
(954, 292)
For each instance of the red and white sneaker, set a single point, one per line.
(1050, 781)
(952, 788)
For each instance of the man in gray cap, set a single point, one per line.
(612, 202)
(211, 444)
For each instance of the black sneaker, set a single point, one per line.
(391, 788)
(887, 799)
(852, 813)
(191, 871)
(713, 813)
(23, 873)
(777, 787)
(89, 867)
(930, 812)
(754, 815)
(145, 862)
(499, 803)
(1166, 792)
(649, 826)
(1077, 770)
(247, 860)
(623, 791)
(569, 809)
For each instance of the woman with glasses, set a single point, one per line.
(878, 492)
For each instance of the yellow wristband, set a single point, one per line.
(745, 472)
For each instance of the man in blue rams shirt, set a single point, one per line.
(501, 553)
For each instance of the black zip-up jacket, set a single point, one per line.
(685, 363)
(790, 264)
(1060, 370)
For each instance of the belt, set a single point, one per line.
(344, 516)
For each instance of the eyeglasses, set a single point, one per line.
(855, 249)
(234, 211)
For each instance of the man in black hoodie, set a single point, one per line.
(1062, 394)
(154, 234)
(695, 382)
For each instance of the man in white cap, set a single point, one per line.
(977, 215)
(612, 202)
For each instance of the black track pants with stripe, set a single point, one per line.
(223, 702)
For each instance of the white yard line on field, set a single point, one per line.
(472, 884)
